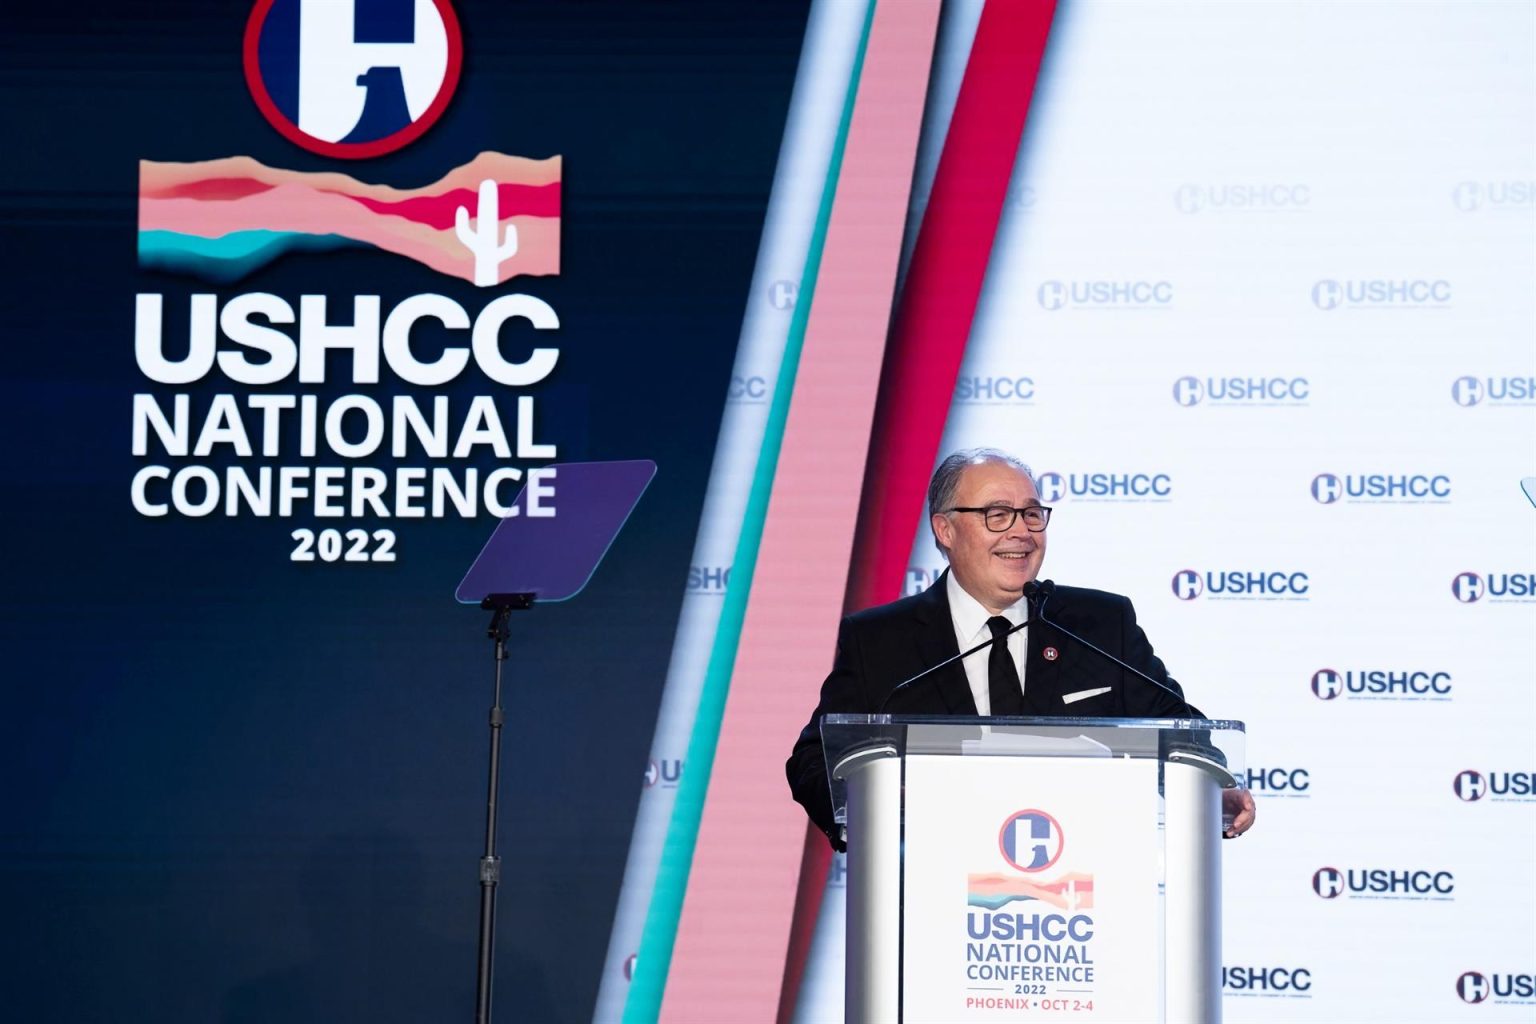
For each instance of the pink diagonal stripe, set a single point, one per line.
(933, 322)
(728, 961)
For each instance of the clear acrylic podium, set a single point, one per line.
(1001, 867)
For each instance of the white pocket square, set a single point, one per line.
(1068, 698)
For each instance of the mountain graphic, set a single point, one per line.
(223, 219)
(1072, 891)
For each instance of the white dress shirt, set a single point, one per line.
(970, 620)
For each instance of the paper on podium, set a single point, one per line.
(1002, 740)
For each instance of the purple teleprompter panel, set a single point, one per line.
(553, 557)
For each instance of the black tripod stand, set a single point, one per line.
(501, 606)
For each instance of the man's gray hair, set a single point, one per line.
(946, 479)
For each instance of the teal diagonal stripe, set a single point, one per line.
(660, 932)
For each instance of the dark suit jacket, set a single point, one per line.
(880, 647)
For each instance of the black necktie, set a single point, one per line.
(1002, 678)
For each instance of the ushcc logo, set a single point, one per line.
(1031, 840)
(352, 79)
(1467, 587)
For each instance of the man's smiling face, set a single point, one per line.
(992, 567)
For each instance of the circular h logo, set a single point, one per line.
(1467, 587)
(1052, 486)
(1188, 391)
(782, 295)
(1325, 294)
(1327, 684)
(1187, 585)
(1328, 882)
(1031, 840)
(1472, 987)
(352, 79)
(1326, 489)
(1466, 391)
(1469, 785)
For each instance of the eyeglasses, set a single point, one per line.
(1000, 518)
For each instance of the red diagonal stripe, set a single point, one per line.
(932, 324)
(944, 279)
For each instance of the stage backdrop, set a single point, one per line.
(1250, 286)
(1261, 317)
(298, 294)
(1259, 311)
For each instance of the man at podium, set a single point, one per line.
(987, 520)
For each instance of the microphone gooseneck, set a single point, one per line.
(1037, 594)
(931, 669)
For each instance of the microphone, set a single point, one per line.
(1039, 593)
(1036, 594)
(931, 669)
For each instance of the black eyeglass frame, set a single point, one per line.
(986, 516)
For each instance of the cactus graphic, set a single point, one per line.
(481, 239)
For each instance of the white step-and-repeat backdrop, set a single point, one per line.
(1262, 318)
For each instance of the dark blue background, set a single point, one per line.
(243, 789)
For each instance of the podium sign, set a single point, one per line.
(1020, 895)
(1032, 868)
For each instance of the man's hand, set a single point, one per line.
(1237, 804)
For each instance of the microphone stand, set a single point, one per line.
(501, 606)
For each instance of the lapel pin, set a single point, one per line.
(1050, 654)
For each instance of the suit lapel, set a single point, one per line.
(935, 639)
